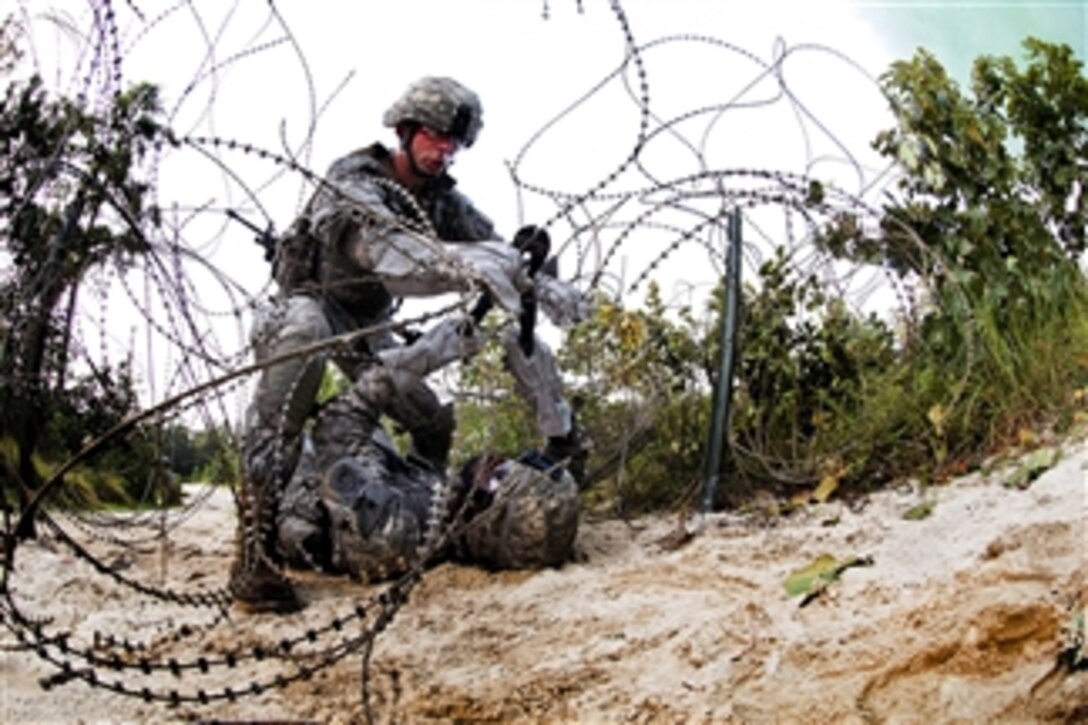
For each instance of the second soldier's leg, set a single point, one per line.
(377, 506)
(427, 420)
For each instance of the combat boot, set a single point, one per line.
(256, 582)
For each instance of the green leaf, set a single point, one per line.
(823, 570)
(1075, 653)
(1033, 466)
(909, 152)
(933, 176)
(920, 511)
(827, 486)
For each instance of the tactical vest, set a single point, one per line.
(296, 257)
(304, 263)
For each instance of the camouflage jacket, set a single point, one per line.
(364, 183)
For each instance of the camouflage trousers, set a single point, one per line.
(285, 393)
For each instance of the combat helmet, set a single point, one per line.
(531, 520)
(441, 103)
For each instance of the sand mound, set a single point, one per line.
(960, 616)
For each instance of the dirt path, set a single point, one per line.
(960, 617)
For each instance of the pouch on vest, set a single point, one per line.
(294, 265)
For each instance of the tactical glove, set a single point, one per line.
(534, 243)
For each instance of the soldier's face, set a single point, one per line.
(433, 151)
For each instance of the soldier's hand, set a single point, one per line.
(534, 244)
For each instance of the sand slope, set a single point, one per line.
(959, 618)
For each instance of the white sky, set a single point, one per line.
(527, 71)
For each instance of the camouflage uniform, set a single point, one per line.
(355, 506)
(376, 242)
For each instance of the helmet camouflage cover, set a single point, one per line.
(532, 522)
(441, 103)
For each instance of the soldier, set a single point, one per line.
(386, 224)
(355, 506)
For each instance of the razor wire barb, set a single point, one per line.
(171, 289)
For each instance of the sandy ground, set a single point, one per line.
(960, 617)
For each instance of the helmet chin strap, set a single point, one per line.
(406, 135)
(415, 167)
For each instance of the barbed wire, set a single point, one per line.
(174, 292)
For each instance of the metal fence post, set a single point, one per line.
(723, 391)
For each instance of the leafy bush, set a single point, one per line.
(71, 200)
(990, 219)
(992, 214)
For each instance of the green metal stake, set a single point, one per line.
(723, 391)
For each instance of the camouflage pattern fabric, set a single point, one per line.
(377, 511)
(345, 300)
(302, 521)
(365, 178)
(375, 243)
(355, 505)
(532, 521)
(285, 392)
(536, 380)
(346, 297)
(371, 229)
(441, 103)
(284, 396)
(366, 515)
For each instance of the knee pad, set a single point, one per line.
(375, 534)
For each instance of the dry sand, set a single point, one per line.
(960, 618)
